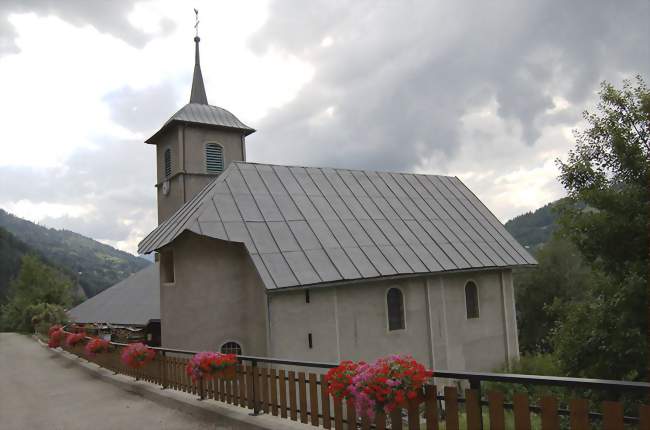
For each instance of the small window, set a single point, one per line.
(167, 266)
(168, 162)
(310, 341)
(231, 348)
(306, 296)
(395, 304)
(213, 158)
(471, 300)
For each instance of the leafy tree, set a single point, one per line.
(36, 284)
(608, 171)
(560, 277)
(42, 316)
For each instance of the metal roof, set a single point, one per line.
(204, 114)
(133, 301)
(304, 226)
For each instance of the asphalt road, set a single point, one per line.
(40, 389)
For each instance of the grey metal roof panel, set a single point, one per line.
(342, 263)
(133, 301)
(281, 273)
(205, 114)
(323, 265)
(304, 234)
(379, 261)
(237, 231)
(301, 267)
(395, 259)
(361, 262)
(283, 236)
(304, 226)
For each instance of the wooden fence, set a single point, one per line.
(298, 395)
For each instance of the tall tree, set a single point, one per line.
(560, 277)
(37, 284)
(606, 216)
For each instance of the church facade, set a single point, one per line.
(323, 264)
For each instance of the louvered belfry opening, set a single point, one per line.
(213, 158)
(168, 163)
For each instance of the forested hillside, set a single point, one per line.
(11, 251)
(534, 229)
(100, 265)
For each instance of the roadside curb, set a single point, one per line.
(208, 410)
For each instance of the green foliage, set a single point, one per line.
(101, 266)
(560, 277)
(603, 336)
(42, 316)
(11, 252)
(608, 171)
(534, 364)
(37, 284)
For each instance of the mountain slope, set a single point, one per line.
(11, 251)
(100, 265)
(533, 229)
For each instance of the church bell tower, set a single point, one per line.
(194, 146)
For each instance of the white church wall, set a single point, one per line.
(475, 343)
(350, 322)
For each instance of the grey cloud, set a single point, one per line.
(401, 74)
(143, 110)
(106, 16)
(116, 180)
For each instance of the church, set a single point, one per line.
(322, 264)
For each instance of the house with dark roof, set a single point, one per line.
(132, 304)
(323, 264)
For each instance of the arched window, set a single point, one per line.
(231, 348)
(395, 305)
(213, 158)
(168, 162)
(471, 300)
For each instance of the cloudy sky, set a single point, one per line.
(487, 91)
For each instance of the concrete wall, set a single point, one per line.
(350, 322)
(216, 297)
(189, 175)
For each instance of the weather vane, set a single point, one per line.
(196, 24)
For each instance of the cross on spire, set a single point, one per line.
(196, 23)
(198, 88)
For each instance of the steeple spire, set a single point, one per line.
(198, 88)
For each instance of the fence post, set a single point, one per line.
(201, 389)
(253, 395)
(475, 384)
(163, 371)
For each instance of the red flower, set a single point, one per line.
(137, 355)
(96, 345)
(339, 379)
(210, 364)
(56, 336)
(74, 338)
